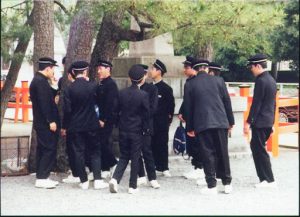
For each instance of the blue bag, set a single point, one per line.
(179, 142)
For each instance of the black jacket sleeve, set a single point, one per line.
(188, 108)
(258, 97)
(227, 103)
(145, 115)
(45, 99)
(153, 98)
(107, 113)
(170, 103)
(67, 110)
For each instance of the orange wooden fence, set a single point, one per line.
(279, 128)
(22, 101)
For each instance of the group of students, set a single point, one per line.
(143, 113)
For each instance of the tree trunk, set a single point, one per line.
(107, 41)
(14, 69)
(43, 27)
(79, 48)
(274, 70)
(204, 51)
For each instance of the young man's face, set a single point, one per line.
(187, 70)
(50, 72)
(103, 72)
(155, 73)
(254, 69)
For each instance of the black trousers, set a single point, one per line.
(214, 152)
(130, 149)
(148, 158)
(193, 150)
(260, 155)
(81, 142)
(45, 152)
(71, 156)
(108, 159)
(159, 145)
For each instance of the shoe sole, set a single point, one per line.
(45, 187)
(112, 188)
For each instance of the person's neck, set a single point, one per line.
(105, 77)
(260, 72)
(80, 76)
(43, 73)
(157, 79)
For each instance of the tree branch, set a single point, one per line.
(62, 6)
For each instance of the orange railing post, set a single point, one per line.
(25, 101)
(245, 92)
(18, 93)
(273, 143)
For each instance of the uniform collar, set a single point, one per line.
(105, 79)
(156, 82)
(262, 74)
(42, 75)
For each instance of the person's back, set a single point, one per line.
(133, 110)
(81, 94)
(206, 89)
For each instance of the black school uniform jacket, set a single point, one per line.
(133, 110)
(107, 99)
(204, 104)
(79, 106)
(43, 106)
(262, 111)
(165, 108)
(153, 101)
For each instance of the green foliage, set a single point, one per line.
(286, 36)
(13, 29)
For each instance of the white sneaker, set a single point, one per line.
(265, 184)
(201, 182)
(227, 189)
(100, 184)
(141, 181)
(194, 174)
(105, 174)
(209, 191)
(44, 183)
(71, 179)
(55, 182)
(113, 186)
(90, 176)
(154, 184)
(84, 185)
(166, 173)
(133, 190)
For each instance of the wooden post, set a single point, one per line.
(273, 141)
(17, 92)
(245, 92)
(25, 101)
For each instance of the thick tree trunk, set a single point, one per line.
(107, 41)
(43, 28)
(14, 69)
(79, 48)
(204, 51)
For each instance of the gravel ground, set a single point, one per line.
(177, 196)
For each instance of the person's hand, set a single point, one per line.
(63, 132)
(101, 123)
(181, 118)
(53, 126)
(246, 128)
(191, 133)
(56, 99)
(230, 128)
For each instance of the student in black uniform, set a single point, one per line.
(107, 97)
(133, 109)
(45, 122)
(215, 70)
(192, 148)
(146, 147)
(82, 124)
(74, 176)
(206, 118)
(162, 119)
(261, 118)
